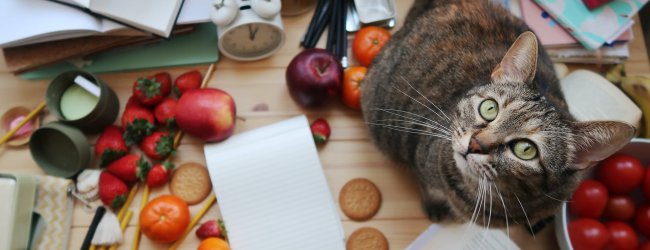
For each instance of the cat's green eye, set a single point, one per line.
(524, 149)
(489, 109)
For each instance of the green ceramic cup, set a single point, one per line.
(60, 150)
(103, 114)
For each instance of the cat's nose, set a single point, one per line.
(476, 146)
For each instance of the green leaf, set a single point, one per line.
(136, 131)
(150, 87)
(118, 201)
(165, 146)
(109, 156)
(142, 168)
(222, 227)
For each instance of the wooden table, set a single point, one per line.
(349, 154)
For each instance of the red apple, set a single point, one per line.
(313, 77)
(208, 114)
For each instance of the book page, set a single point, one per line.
(195, 11)
(39, 19)
(272, 191)
(155, 16)
(462, 236)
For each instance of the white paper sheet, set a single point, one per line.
(272, 191)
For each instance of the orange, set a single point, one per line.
(214, 243)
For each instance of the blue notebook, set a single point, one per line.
(593, 28)
(198, 47)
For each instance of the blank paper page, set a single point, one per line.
(156, 16)
(272, 191)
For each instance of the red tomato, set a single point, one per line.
(622, 236)
(589, 199)
(642, 219)
(646, 184)
(352, 79)
(620, 173)
(645, 245)
(368, 42)
(588, 234)
(620, 207)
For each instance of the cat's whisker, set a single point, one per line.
(553, 198)
(425, 98)
(525, 215)
(487, 228)
(505, 210)
(411, 130)
(472, 220)
(427, 107)
(392, 111)
(415, 123)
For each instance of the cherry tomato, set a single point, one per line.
(352, 86)
(589, 200)
(645, 245)
(646, 184)
(588, 234)
(620, 173)
(622, 236)
(368, 42)
(620, 207)
(642, 219)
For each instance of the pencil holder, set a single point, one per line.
(75, 106)
(60, 150)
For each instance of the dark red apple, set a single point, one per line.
(208, 114)
(313, 77)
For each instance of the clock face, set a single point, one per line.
(251, 40)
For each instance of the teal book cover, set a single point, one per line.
(593, 28)
(197, 47)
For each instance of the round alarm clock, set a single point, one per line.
(248, 30)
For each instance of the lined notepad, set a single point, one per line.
(272, 191)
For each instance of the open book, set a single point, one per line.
(272, 191)
(155, 16)
(26, 22)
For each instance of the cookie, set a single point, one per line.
(360, 199)
(367, 238)
(191, 182)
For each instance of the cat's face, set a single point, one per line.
(509, 131)
(508, 138)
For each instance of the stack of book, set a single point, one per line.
(572, 33)
(39, 33)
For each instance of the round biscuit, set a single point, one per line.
(191, 182)
(367, 238)
(360, 199)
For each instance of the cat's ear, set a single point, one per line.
(597, 140)
(520, 62)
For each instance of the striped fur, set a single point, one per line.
(420, 100)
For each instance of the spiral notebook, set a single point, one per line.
(272, 191)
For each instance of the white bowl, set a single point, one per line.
(639, 148)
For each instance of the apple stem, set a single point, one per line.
(241, 118)
(321, 70)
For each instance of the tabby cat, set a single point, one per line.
(466, 98)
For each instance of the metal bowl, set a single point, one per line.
(639, 148)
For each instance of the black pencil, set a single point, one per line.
(312, 24)
(321, 24)
(331, 32)
(342, 46)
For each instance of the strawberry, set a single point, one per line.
(133, 101)
(158, 145)
(151, 90)
(159, 174)
(110, 145)
(211, 228)
(130, 168)
(112, 190)
(186, 81)
(321, 131)
(137, 122)
(165, 112)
